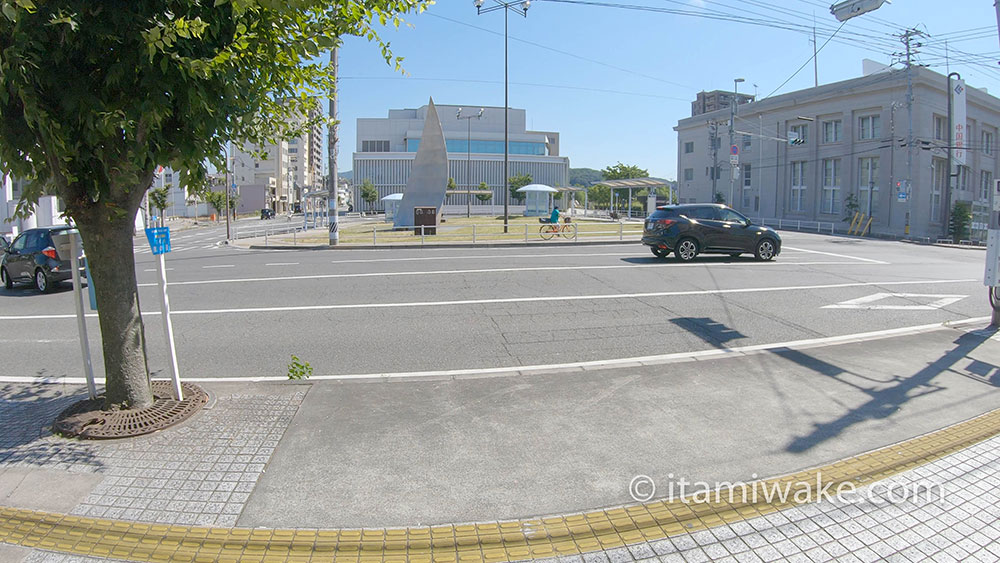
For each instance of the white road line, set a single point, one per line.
(554, 299)
(492, 271)
(835, 255)
(637, 361)
(481, 256)
(155, 270)
(219, 266)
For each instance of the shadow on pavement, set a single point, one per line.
(709, 330)
(26, 416)
(883, 402)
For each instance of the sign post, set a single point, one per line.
(81, 321)
(159, 242)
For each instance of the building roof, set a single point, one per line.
(538, 188)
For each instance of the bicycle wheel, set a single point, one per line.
(566, 231)
(546, 232)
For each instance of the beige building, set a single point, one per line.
(852, 146)
(265, 182)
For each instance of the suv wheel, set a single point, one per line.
(42, 282)
(7, 282)
(764, 250)
(686, 250)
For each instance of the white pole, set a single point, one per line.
(169, 330)
(81, 320)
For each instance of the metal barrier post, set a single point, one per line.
(422, 235)
(621, 226)
(473, 233)
(374, 236)
(525, 232)
(798, 225)
(265, 237)
(294, 243)
(576, 231)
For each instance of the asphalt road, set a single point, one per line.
(240, 313)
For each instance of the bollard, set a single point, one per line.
(620, 233)
(265, 238)
(422, 235)
(576, 231)
(374, 236)
(294, 243)
(473, 233)
(526, 233)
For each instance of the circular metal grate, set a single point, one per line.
(85, 419)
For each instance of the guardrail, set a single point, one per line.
(798, 225)
(267, 231)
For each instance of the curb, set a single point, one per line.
(433, 245)
(544, 537)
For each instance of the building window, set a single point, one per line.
(295, 150)
(799, 132)
(374, 146)
(869, 127)
(689, 147)
(940, 128)
(868, 185)
(747, 142)
(714, 173)
(940, 172)
(988, 143)
(798, 186)
(688, 174)
(831, 130)
(746, 175)
(985, 184)
(831, 186)
(962, 182)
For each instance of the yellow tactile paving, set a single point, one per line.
(482, 542)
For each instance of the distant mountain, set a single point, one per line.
(584, 176)
(349, 175)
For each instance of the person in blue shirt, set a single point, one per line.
(555, 216)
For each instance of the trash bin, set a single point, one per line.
(426, 217)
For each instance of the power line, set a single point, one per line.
(805, 63)
(535, 84)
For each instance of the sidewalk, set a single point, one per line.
(405, 460)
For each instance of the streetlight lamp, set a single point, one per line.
(520, 8)
(468, 159)
(732, 141)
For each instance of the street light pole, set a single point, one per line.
(229, 235)
(521, 8)
(468, 161)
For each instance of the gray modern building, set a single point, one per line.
(850, 144)
(386, 148)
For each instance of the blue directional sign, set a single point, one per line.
(159, 239)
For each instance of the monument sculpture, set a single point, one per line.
(429, 173)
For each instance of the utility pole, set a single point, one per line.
(713, 138)
(333, 184)
(907, 39)
(815, 61)
(735, 167)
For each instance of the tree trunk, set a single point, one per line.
(108, 244)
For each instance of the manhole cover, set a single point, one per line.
(85, 419)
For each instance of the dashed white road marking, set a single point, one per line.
(834, 255)
(867, 302)
(282, 264)
(219, 266)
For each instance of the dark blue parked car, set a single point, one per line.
(691, 229)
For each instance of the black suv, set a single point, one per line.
(40, 256)
(687, 230)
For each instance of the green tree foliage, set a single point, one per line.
(158, 200)
(369, 192)
(720, 197)
(217, 200)
(599, 195)
(516, 183)
(623, 172)
(960, 221)
(584, 177)
(451, 184)
(94, 95)
(851, 207)
(484, 197)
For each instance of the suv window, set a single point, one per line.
(661, 213)
(34, 241)
(730, 216)
(704, 213)
(19, 243)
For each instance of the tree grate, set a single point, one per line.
(86, 420)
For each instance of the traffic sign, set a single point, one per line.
(159, 240)
(901, 197)
(734, 159)
(734, 150)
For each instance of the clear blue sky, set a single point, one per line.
(614, 82)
